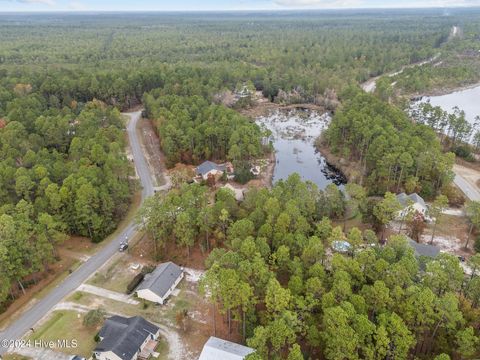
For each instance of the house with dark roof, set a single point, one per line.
(426, 250)
(219, 349)
(124, 338)
(159, 284)
(412, 203)
(209, 168)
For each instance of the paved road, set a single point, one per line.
(469, 190)
(18, 328)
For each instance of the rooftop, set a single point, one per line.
(403, 199)
(216, 349)
(161, 279)
(208, 166)
(424, 249)
(124, 336)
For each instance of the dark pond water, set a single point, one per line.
(293, 136)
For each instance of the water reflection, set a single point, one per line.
(293, 135)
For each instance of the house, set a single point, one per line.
(412, 203)
(219, 349)
(239, 193)
(159, 284)
(209, 168)
(125, 338)
(426, 250)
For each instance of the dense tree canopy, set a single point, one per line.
(275, 278)
(191, 130)
(393, 152)
(63, 171)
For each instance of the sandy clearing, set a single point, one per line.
(193, 275)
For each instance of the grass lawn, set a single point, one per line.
(67, 325)
(180, 302)
(15, 357)
(115, 276)
(162, 314)
(161, 349)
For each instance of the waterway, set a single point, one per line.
(293, 136)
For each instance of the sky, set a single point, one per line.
(211, 5)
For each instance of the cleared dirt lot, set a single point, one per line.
(151, 148)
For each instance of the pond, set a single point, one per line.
(293, 137)
(467, 100)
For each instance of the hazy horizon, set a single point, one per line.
(221, 5)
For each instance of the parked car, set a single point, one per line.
(123, 247)
(76, 357)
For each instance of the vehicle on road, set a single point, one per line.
(123, 247)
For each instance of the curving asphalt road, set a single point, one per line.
(470, 191)
(30, 317)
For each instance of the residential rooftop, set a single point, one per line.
(124, 336)
(161, 279)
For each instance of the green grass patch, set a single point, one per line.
(115, 277)
(161, 349)
(15, 357)
(180, 303)
(77, 296)
(67, 325)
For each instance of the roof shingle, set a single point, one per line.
(161, 279)
(124, 336)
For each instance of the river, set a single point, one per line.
(293, 137)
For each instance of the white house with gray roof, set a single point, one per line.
(124, 338)
(219, 349)
(412, 203)
(208, 168)
(159, 284)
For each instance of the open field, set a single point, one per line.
(117, 275)
(67, 325)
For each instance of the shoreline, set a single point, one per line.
(352, 173)
(263, 108)
(444, 91)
